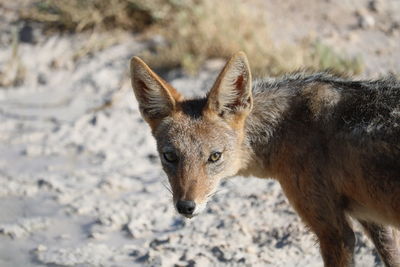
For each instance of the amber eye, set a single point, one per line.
(170, 156)
(215, 156)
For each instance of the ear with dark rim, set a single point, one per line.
(231, 95)
(157, 99)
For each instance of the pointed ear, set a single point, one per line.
(231, 95)
(157, 99)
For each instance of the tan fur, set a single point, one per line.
(321, 97)
(334, 155)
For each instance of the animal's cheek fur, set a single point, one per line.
(213, 169)
(229, 166)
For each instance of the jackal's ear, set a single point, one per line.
(157, 99)
(231, 93)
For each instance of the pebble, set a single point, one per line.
(365, 20)
(376, 5)
(41, 248)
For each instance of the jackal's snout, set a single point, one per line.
(186, 207)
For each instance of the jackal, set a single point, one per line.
(332, 143)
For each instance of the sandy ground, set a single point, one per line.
(81, 184)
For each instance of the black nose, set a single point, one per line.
(185, 207)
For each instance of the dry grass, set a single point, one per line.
(221, 28)
(80, 15)
(324, 57)
(216, 29)
(12, 73)
(194, 30)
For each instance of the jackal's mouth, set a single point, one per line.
(189, 216)
(195, 209)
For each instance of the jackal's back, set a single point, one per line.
(358, 109)
(370, 109)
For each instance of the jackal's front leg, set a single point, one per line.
(321, 210)
(336, 245)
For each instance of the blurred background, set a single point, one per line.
(80, 180)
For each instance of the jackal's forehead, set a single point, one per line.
(187, 134)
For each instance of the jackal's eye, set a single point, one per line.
(170, 157)
(215, 156)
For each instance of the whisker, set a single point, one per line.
(213, 193)
(166, 186)
(217, 192)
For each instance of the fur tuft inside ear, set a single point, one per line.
(231, 93)
(156, 98)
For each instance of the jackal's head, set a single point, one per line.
(200, 141)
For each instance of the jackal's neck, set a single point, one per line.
(271, 104)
